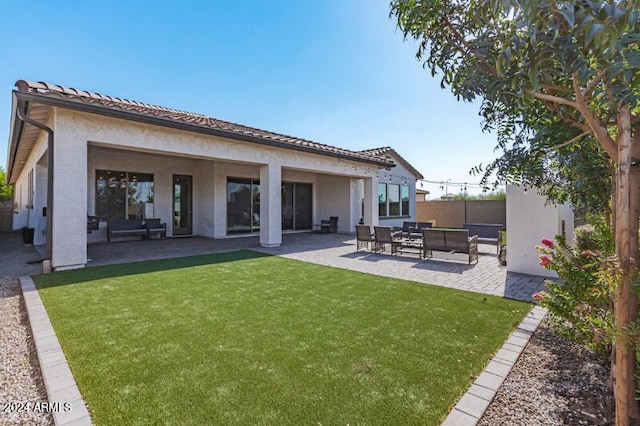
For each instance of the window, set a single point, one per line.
(404, 196)
(393, 193)
(382, 199)
(393, 200)
(124, 195)
(140, 196)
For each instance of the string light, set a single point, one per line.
(441, 184)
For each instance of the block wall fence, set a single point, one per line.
(452, 214)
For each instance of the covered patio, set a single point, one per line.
(339, 250)
(117, 160)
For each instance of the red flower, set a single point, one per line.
(539, 296)
(547, 242)
(545, 260)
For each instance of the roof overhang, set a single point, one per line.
(22, 99)
(393, 153)
(23, 136)
(15, 131)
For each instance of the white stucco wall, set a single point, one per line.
(85, 143)
(529, 219)
(203, 200)
(24, 216)
(332, 197)
(69, 219)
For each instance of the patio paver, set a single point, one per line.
(339, 250)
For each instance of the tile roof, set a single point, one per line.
(380, 152)
(377, 151)
(192, 119)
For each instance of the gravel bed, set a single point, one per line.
(554, 382)
(20, 377)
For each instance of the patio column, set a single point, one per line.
(69, 220)
(219, 201)
(371, 201)
(270, 205)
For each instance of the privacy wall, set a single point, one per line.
(452, 214)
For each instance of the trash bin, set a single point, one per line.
(27, 235)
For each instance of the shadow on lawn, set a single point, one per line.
(111, 271)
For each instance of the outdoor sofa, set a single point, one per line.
(487, 233)
(135, 228)
(414, 229)
(450, 240)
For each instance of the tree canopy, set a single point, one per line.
(6, 191)
(550, 75)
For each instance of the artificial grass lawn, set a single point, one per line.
(245, 338)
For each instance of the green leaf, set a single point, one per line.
(614, 69)
(617, 14)
(595, 30)
(567, 12)
(507, 53)
(633, 59)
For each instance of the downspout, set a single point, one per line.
(29, 120)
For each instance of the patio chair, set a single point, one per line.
(154, 226)
(383, 237)
(364, 237)
(330, 225)
(416, 232)
(333, 224)
(408, 228)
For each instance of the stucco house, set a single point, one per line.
(74, 154)
(397, 194)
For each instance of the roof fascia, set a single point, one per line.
(15, 134)
(160, 121)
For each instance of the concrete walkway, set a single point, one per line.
(339, 250)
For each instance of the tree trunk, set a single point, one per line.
(626, 241)
(612, 223)
(633, 296)
(635, 252)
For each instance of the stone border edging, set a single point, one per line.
(471, 407)
(67, 406)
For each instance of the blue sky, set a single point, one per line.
(336, 72)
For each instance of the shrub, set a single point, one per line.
(581, 302)
(6, 191)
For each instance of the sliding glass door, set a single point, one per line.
(243, 206)
(296, 206)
